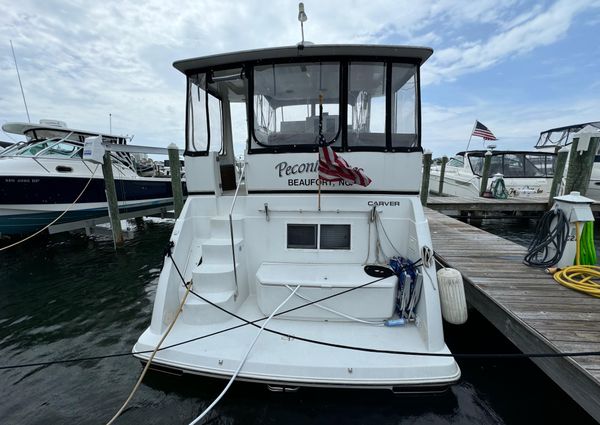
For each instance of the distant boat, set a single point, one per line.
(555, 138)
(41, 177)
(525, 173)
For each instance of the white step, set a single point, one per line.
(211, 278)
(218, 251)
(219, 227)
(196, 311)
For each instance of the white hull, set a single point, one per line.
(467, 185)
(202, 232)
(289, 362)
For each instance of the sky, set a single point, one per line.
(518, 67)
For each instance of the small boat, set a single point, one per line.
(42, 176)
(556, 138)
(525, 173)
(277, 237)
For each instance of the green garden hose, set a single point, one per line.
(587, 251)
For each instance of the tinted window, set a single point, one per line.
(335, 236)
(302, 236)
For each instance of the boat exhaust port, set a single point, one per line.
(280, 389)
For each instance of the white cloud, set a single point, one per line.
(526, 32)
(81, 60)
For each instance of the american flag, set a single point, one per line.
(481, 130)
(334, 168)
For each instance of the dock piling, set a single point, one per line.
(111, 199)
(175, 166)
(559, 171)
(487, 162)
(580, 166)
(442, 173)
(425, 179)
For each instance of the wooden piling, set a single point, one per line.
(559, 171)
(111, 199)
(580, 166)
(487, 162)
(442, 173)
(175, 167)
(425, 179)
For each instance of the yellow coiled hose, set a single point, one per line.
(580, 278)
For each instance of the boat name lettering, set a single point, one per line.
(383, 203)
(313, 182)
(283, 168)
(21, 180)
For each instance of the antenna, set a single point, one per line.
(302, 18)
(19, 77)
(109, 123)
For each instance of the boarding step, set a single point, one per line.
(213, 278)
(197, 311)
(275, 281)
(219, 227)
(218, 250)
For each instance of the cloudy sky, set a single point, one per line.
(519, 67)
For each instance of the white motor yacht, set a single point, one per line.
(525, 173)
(250, 236)
(42, 177)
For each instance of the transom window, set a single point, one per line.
(315, 236)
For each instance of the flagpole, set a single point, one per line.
(319, 194)
(471, 136)
(320, 141)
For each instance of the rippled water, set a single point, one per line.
(70, 296)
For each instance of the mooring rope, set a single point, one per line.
(499, 356)
(239, 368)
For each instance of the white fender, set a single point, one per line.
(452, 296)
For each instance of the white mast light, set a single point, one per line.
(302, 18)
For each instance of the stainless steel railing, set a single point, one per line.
(237, 189)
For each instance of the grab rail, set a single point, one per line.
(231, 228)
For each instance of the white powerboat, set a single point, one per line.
(555, 138)
(249, 237)
(525, 173)
(41, 177)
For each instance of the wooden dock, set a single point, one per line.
(484, 206)
(537, 314)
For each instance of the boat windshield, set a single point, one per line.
(286, 103)
(55, 147)
(518, 164)
(367, 105)
(377, 95)
(562, 136)
(456, 161)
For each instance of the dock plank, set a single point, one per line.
(530, 204)
(524, 303)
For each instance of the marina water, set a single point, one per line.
(70, 296)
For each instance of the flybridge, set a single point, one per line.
(370, 101)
